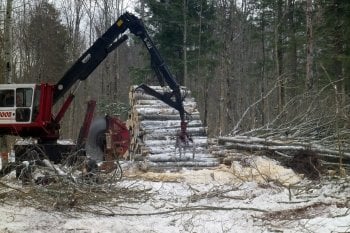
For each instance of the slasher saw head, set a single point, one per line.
(108, 139)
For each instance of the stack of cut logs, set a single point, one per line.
(154, 126)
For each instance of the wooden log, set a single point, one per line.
(162, 111)
(264, 141)
(169, 123)
(174, 130)
(336, 165)
(170, 156)
(139, 95)
(183, 164)
(153, 102)
(176, 158)
(171, 149)
(199, 141)
(153, 125)
(227, 153)
(314, 148)
(160, 89)
(286, 144)
(194, 116)
(166, 134)
(189, 106)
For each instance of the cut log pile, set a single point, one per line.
(294, 153)
(154, 125)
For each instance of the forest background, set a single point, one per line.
(252, 65)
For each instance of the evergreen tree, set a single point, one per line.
(46, 44)
(167, 25)
(333, 34)
(184, 32)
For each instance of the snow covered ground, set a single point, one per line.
(238, 199)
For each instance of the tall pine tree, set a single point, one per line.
(167, 25)
(45, 44)
(333, 34)
(184, 31)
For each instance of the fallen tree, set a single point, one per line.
(311, 159)
(311, 128)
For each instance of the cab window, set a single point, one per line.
(7, 98)
(24, 97)
(36, 103)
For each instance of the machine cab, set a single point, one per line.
(16, 103)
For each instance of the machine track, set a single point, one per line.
(154, 125)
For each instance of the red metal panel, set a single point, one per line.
(119, 135)
(46, 101)
(84, 130)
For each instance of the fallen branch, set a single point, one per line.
(13, 188)
(177, 210)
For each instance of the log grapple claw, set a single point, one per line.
(184, 140)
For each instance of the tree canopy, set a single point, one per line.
(239, 58)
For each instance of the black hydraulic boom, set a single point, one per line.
(109, 41)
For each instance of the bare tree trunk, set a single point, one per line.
(76, 111)
(309, 46)
(90, 13)
(105, 65)
(339, 50)
(204, 76)
(72, 13)
(222, 119)
(279, 57)
(292, 47)
(7, 43)
(264, 112)
(142, 9)
(116, 69)
(222, 77)
(8, 60)
(185, 81)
